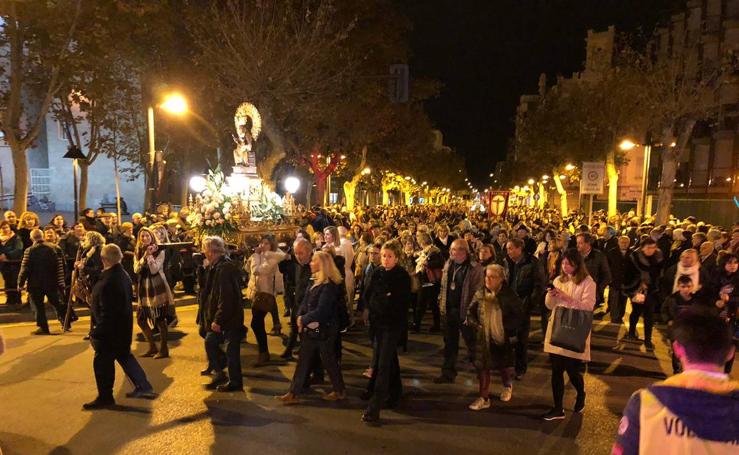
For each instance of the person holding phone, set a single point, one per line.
(573, 288)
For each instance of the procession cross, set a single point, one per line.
(497, 200)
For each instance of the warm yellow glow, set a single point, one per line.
(673, 144)
(531, 181)
(562, 176)
(366, 171)
(545, 177)
(626, 144)
(175, 103)
(569, 167)
(343, 157)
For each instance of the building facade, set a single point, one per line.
(51, 178)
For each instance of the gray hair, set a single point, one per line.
(111, 254)
(497, 270)
(37, 235)
(214, 244)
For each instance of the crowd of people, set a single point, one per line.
(378, 271)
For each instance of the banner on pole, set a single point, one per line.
(499, 203)
(593, 177)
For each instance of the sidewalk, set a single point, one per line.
(25, 314)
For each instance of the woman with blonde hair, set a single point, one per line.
(154, 294)
(28, 222)
(317, 321)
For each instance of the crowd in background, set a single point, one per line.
(379, 271)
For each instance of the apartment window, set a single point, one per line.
(61, 135)
(40, 181)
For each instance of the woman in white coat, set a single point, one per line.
(573, 288)
(261, 290)
(336, 237)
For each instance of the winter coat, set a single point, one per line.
(320, 305)
(526, 278)
(42, 267)
(583, 295)
(112, 311)
(220, 297)
(485, 349)
(473, 281)
(388, 294)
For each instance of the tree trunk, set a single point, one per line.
(321, 189)
(542, 196)
(350, 186)
(562, 193)
(612, 172)
(350, 189)
(309, 196)
(385, 195)
(84, 166)
(669, 169)
(20, 168)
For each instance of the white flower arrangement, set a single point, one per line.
(214, 214)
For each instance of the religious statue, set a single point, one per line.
(248, 124)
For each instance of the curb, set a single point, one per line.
(26, 315)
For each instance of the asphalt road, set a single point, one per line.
(44, 381)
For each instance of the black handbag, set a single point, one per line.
(571, 328)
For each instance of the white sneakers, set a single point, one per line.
(507, 393)
(479, 404)
(483, 403)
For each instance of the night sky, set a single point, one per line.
(487, 53)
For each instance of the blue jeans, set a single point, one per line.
(231, 358)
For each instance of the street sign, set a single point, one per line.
(593, 176)
(499, 203)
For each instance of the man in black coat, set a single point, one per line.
(112, 331)
(297, 275)
(526, 279)
(597, 265)
(222, 316)
(42, 268)
(618, 261)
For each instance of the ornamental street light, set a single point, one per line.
(626, 145)
(197, 183)
(292, 184)
(173, 103)
(569, 167)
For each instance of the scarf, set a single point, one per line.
(693, 272)
(492, 318)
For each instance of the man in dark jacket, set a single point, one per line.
(42, 268)
(296, 273)
(642, 285)
(222, 316)
(112, 331)
(460, 279)
(526, 279)
(618, 260)
(597, 265)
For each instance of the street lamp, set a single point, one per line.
(292, 184)
(531, 181)
(197, 183)
(175, 104)
(74, 154)
(366, 171)
(626, 145)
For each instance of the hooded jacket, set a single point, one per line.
(692, 412)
